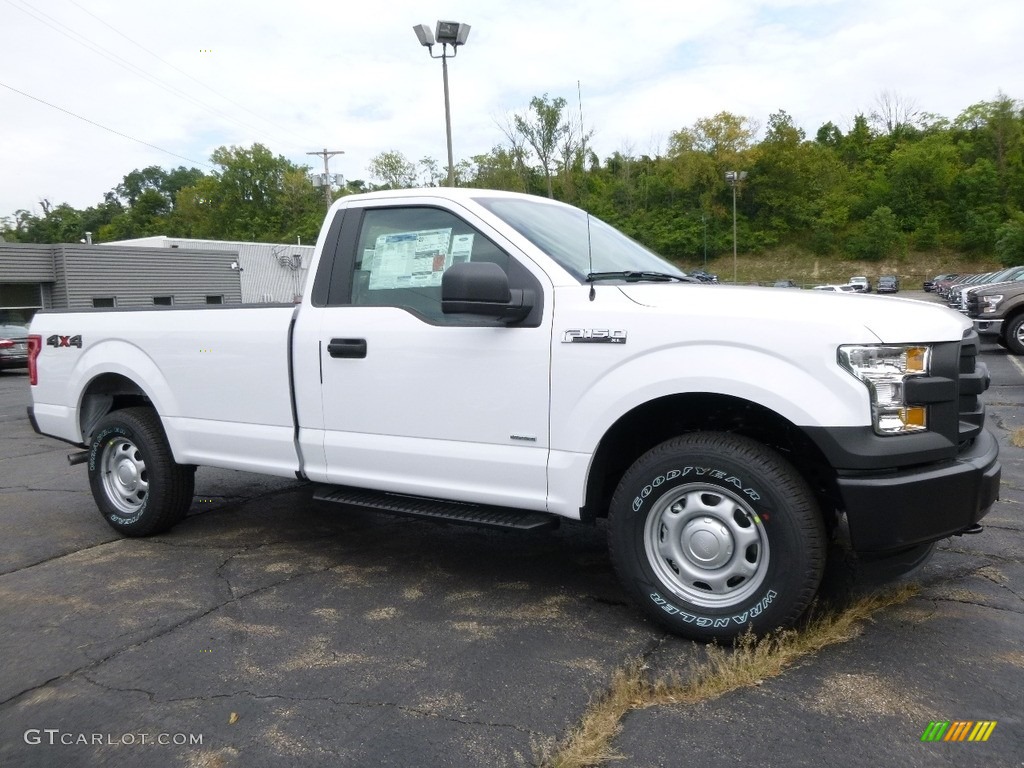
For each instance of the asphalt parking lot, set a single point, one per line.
(267, 631)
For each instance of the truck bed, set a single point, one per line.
(219, 377)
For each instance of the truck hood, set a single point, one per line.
(889, 319)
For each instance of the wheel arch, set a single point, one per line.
(661, 419)
(105, 393)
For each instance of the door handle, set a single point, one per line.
(347, 348)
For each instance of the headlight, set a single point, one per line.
(989, 303)
(885, 370)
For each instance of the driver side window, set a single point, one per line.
(402, 253)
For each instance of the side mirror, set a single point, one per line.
(481, 288)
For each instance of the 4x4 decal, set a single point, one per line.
(64, 341)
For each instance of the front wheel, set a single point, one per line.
(1014, 335)
(712, 532)
(137, 485)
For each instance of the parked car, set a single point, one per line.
(836, 288)
(785, 284)
(943, 287)
(861, 284)
(888, 284)
(704, 277)
(929, 285)
(13, 346)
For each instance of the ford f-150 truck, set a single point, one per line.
(508, 360)
(998, 313)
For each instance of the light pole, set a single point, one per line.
(734, 178)
(448, 33)
(704, 221)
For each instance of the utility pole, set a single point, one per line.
(326, 180)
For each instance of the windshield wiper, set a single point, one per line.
(633, 276)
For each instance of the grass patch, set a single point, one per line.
(751, 661)
(1017, 438)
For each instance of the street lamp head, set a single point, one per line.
(423, 33)
(452, 33)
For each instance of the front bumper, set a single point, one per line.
(988, 327)
(888, 511)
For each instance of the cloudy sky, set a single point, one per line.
(171, 81)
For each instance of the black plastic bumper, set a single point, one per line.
(891, 511)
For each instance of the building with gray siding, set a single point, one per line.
(73, 276)
(270, 272)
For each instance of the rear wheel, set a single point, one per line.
(138, 487)
(711, 533)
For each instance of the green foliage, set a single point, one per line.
(894, 178)
(394, 170)
(874, 238)
(1010, 241)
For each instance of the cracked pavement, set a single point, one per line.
(288, 634)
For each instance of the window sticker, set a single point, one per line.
(410, 259)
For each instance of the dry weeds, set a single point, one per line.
(749, 663)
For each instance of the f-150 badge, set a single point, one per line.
(593, 336)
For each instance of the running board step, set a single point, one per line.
(436, 509)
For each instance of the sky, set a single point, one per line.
(93, 89)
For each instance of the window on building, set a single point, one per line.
(163, 301)
(214, 299)
(107, 301)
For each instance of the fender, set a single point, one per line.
(125, 359)
(824, 394)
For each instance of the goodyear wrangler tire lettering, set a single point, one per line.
(138, 487)
(712, 532)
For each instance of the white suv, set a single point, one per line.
(861, 284)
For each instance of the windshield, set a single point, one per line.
(576, 241)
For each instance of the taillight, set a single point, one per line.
(6, 344)
(35, 344)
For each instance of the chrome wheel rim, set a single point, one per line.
(125, 478)
(707, 546)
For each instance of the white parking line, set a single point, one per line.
(1017, 363)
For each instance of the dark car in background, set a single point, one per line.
(13, 346)
(785, 284)
(930, 285)
(888, 284)
(704, 277)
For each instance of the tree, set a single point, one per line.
(544, 131)
(253, 195)
(393, 169)
(894, 114)
(723, 136)
(874, 238)
(1010, 241)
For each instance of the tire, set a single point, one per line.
(712, 532)
(1014, 335)
(138, 487)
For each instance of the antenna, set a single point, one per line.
(590, 255)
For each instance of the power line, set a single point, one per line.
(131, 67)
(183, 72)
(105, 128)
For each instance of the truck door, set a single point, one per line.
(416, 401)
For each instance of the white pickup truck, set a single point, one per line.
(507, 360)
